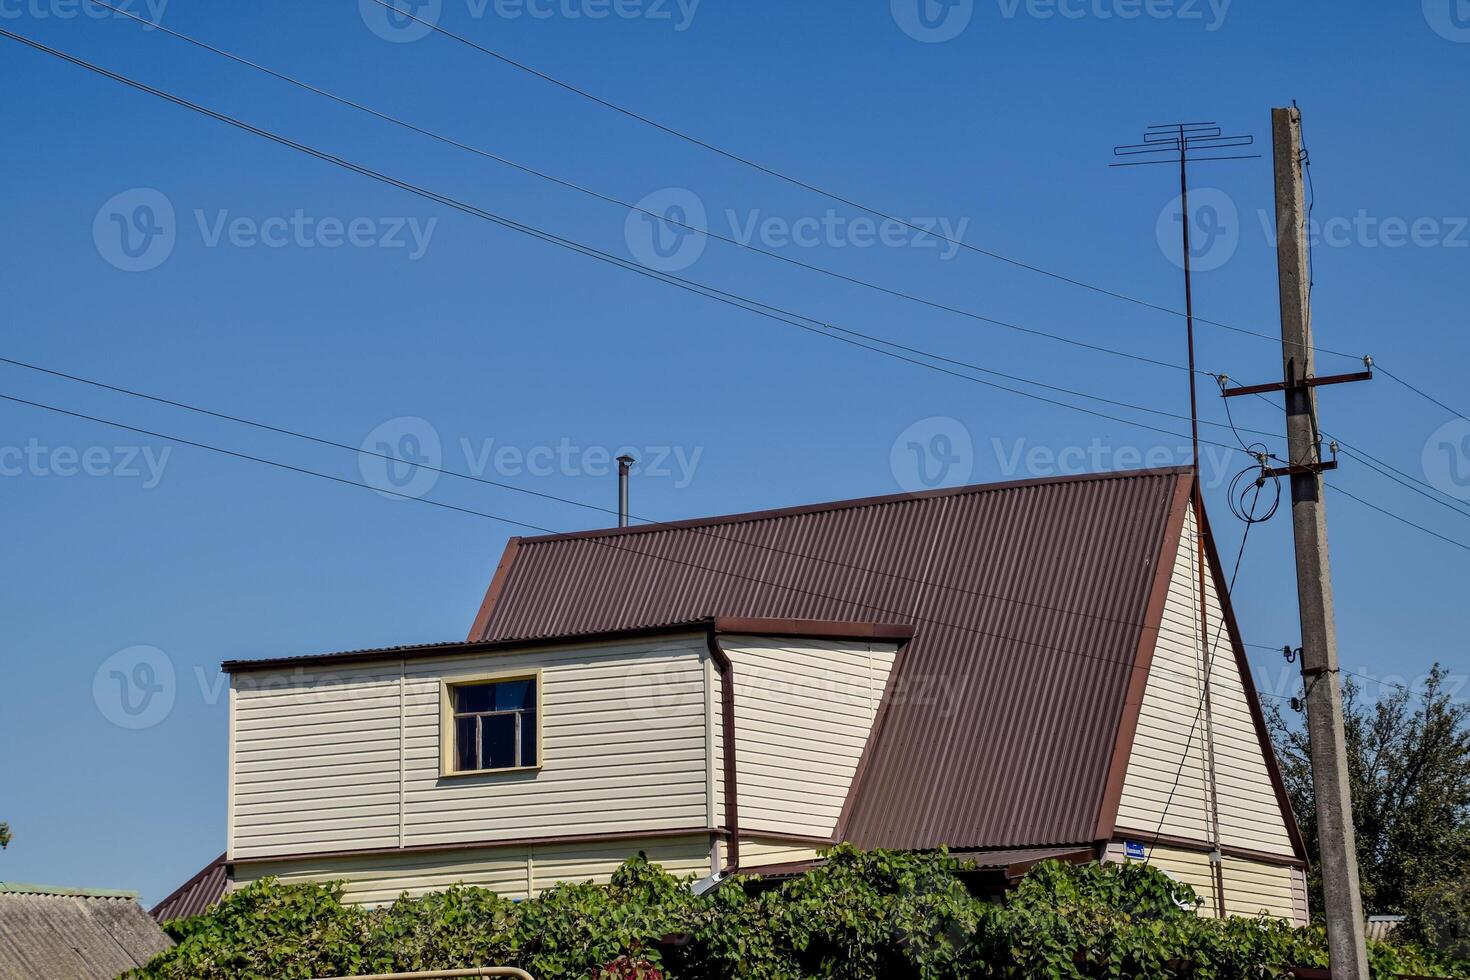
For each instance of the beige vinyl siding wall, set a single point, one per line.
(336, 758)
(1250, 816)
(803, 711)
(757, 851)
(1251, 887)
(315, 763)
(512, 871)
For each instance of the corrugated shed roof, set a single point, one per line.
(1027, 598)
(199, 894)
(73, 934)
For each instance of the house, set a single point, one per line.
(1011, 671)
(73, 933)
(199, 894)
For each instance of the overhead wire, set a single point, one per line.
(435, 27)
(801, 321)
(610, 199)
(608, 543)
(699, 288)
(545, 495)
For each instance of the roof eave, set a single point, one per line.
(898, 633)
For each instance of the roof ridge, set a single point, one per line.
(58, 891)
(856, 503)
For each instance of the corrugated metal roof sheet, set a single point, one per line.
(1027, 600)
(199, 894)
(73, 934)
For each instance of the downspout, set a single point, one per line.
(727, 727)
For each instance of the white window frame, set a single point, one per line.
(447, 728)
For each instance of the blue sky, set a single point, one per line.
(152, 248)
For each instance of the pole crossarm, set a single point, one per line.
(1315, 382)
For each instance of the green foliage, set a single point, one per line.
(1440, 920)
(1409, 770)
(5, 836)
(860, 916)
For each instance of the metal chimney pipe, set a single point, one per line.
(624, 464)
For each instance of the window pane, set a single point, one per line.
(498, 741)
(474, 697)
(464, 744)
(515, 695)
(528, 738)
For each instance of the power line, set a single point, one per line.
(874, 211)
(598, 195)
(1402, 520)
(609, 199)
(811, 324)
(1423, 394)
(741, 302)
(303, 471)
(319, 440)
(804, 322)
(1378, 465)
(1383, 469)
(804, 185)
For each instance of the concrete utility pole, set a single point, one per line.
(1339, 856)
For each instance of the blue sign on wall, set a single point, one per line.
(1135, 850)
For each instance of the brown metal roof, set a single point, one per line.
(1002, 725)
(197, 895)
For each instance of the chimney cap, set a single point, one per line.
(626, 459)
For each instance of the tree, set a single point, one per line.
(1409, 769)
(5, 835)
